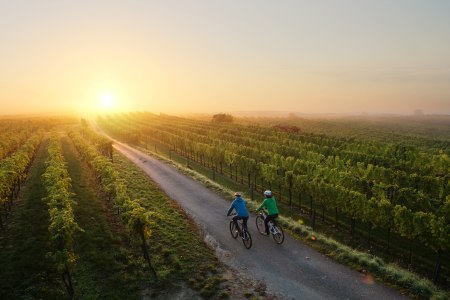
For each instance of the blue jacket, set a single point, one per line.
(239, 205)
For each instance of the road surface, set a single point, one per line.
(292, 270)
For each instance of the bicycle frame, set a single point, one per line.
(271, 223)
(274, 229)
(240, 226)
(243, 232)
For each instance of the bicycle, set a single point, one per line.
(275, 230)
(244, 233)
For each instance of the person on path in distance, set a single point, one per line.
(238, 204)
(271, 205)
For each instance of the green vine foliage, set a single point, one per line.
(63, 227)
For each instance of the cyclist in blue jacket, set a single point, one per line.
(238, 204)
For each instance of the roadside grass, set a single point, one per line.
(388, 273)
(178, 251)
(105, 268)
(25, 272)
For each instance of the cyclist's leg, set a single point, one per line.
(244, 222)
(274, 219)
(236, 225)
(266, 224)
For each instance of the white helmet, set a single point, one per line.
(268, 193)
(237, 194)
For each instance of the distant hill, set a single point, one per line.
(284, 114)
(266, 113)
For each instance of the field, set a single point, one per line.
(79, 219)
(379, 185)
(63, 233)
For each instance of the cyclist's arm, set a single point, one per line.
(230, 209)
(261, 206)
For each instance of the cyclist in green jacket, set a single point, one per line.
(271, 205)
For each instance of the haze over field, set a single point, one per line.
(224, 56)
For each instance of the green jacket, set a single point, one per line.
(270, 204)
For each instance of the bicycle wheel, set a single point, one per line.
(233, 230)
(246, 239)
(279, 235)
(260, 225)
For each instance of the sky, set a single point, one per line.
(353, 56)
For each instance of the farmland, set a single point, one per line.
(96, 226)
(63, 233)
(385, 192)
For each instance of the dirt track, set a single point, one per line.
(292, 270)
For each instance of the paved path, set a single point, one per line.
(292, 270)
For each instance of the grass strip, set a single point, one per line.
(26, 271)
(106, 269)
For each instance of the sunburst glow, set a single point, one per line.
(107, 101)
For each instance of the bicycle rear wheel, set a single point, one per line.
(279, 235)
(233, 230)
(246, 239)
(260, 225)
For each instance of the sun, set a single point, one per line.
(107, 101)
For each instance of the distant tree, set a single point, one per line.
(222, 118)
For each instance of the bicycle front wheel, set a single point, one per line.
(278, 236)
(260, 225)
(233, 230)
(246, 239)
